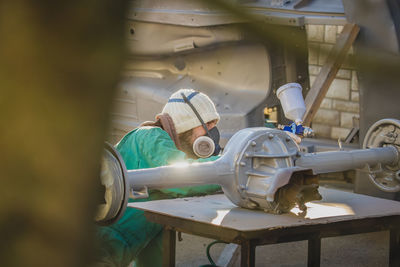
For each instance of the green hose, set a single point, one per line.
(212, 263)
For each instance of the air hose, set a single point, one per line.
(212, 263)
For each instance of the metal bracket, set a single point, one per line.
(139, 194)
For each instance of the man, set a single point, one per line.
(187, 116)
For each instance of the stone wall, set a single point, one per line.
(340, 107)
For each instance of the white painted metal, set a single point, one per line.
(255, 164)
(384, 133)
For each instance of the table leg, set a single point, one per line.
(168, 243)
(394, 250)
(247, 254)
(314, 251)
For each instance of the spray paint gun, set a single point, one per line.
(294, 108)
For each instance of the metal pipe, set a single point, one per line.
(180, 175)
(335, 161)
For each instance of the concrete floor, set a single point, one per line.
(367, 250)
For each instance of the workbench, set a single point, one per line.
(214, 216)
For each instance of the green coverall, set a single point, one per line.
(133, 237)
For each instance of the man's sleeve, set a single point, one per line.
(159, 150)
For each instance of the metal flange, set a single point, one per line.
(113, 179)
(385, 132)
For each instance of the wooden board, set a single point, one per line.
(217, 210)
(328, 71)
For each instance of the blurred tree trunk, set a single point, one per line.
(60, 61)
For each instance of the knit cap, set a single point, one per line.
(182, 114)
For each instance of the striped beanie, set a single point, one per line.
(182, 114)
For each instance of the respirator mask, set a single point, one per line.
(207, 145)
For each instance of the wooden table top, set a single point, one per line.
(217, 210)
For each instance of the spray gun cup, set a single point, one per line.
(291, 98)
